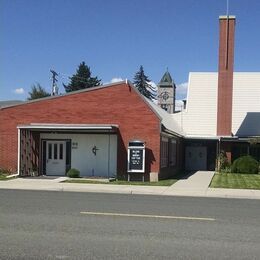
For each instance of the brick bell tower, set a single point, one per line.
(225, 75)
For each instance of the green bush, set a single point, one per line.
(223, 163)
(73, 173)
(4, 171)
(245, 164)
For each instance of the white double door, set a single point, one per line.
(56, 158)
(196, 158)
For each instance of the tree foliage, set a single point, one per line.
(37, 91)
(82, 79)
(142, 83)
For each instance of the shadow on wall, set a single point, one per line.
(149, 160)
(121, 157)
(250, 125)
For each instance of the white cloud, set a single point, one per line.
(114, 80)
(19, 91)
(181, 90)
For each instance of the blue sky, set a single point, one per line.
(115, 37)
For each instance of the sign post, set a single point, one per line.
(136, 158)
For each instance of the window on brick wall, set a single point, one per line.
(172, 152)
(164, 152)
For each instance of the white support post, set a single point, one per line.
(19, 147)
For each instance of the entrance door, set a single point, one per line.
(99, 156)
(196, 158)
(55, 158)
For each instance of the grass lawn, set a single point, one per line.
(168, 182)
(236, 181)
(3, 177)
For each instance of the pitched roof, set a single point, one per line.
(170, 124)
(166, 119)
(7, 103)
(17, 103)
(166, 79)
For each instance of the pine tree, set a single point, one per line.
(37, 91)
(142, 83)
(82, 79)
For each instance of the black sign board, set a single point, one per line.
(136, 159)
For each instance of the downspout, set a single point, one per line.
(108, 163)
(19, 147)
(219, 149)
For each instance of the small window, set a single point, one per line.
(173, 152)
(61, 151)
(164, 152)
(49, 151)
(55, 151)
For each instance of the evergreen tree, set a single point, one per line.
(82, 79)
(37, 91)
(142, 83)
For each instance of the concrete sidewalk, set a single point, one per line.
(195, 185)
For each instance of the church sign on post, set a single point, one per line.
(136, 157)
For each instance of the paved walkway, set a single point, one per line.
(195, 185)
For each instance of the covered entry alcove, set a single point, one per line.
(52, 149)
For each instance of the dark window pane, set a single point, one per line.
(49, 151)
(68, 155)
(61, 151)
(44, 157)
(55, 151)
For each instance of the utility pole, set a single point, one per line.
(55, 88)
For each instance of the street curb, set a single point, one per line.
(135, 192)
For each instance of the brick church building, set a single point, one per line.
(91, 129)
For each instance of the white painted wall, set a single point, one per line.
(200, 117)
(246, 99)
(104, 163)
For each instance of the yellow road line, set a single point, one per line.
(144, 216)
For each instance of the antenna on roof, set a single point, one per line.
(227, 8)
(55, 88)
(227, 36)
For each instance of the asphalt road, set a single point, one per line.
(65, 225)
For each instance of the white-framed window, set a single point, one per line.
(172, 152)
(164, 152)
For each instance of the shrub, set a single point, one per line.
(4, 171)
(245, 164)
(73, 173)
(223, 163)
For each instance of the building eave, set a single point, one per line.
(43, 126)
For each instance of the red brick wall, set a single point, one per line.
(225, 76)
(118, 104)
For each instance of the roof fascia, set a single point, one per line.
(68, 94)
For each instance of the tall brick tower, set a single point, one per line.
(225, 75)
